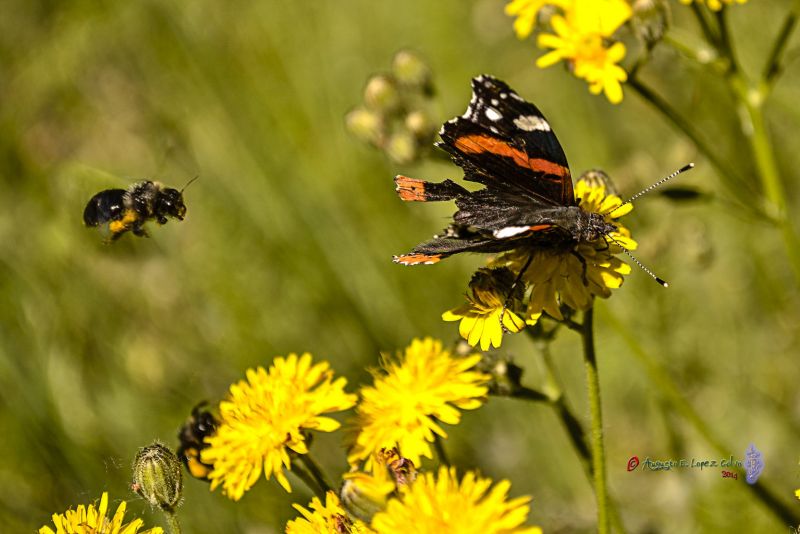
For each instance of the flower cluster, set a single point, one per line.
(551, 278)
(582, 36)
(439, 502)
(435, 502)
(424, 387)
(267, 416)
(585, 34)
(394, 116)
(94, 520)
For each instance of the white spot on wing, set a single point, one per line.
(503, 95)
(510, 231)
(530, 123)
(495, 102)
(492, 114)
(515, 96)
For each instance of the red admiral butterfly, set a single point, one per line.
(506, 144)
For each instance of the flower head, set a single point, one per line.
(424, 387)
(714, 5)
(575, 276)
(484, 316)
(581, 38)
(328, 518)
(266, 416)
(435, 504)
(91, 520)
(526, 12)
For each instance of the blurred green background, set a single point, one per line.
(288, 241)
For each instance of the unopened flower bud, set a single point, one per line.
(401, 147)
(157, 476)
(597, 178)
(420, 124)
(506, 375)
(365, 125)
(411, 70)
(381, 94)
(364, 494)
(650, 20)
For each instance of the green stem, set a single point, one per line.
(725, 42)
(596, 412)
(711, 153)
(311, 483)
(659, 376)
(709, 32)
(770, 178)
(316, 472)
(440, 452)
(172, 522)
(555, 398)
(773, 67)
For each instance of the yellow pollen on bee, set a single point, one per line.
(124, 224)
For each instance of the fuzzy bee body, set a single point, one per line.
(128, 210)
(200, 425)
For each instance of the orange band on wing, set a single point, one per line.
(539, 227)
(476, 144)
(410, 189)
(416, 259)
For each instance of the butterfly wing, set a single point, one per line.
(505, 143)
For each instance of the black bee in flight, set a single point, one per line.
(129, 209)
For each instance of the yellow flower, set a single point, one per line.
(481, 315)
(267, 414)
(433, 505)
(573, 277)
(714, 5)
(580, 39)
(91, 520)
(526, 11)
(331, 518)
(422, 388)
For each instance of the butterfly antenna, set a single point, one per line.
(662, 181)
(650, 187)
(662, 282)
(189, 182)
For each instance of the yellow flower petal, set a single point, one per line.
(405, 405)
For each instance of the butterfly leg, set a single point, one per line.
(513, 289)
(583, 264)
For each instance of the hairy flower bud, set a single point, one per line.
(411, 70)
(651, 19)
(381, 94)
(157, 476)
(418, 123)
(401, 147)
(365, 125)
